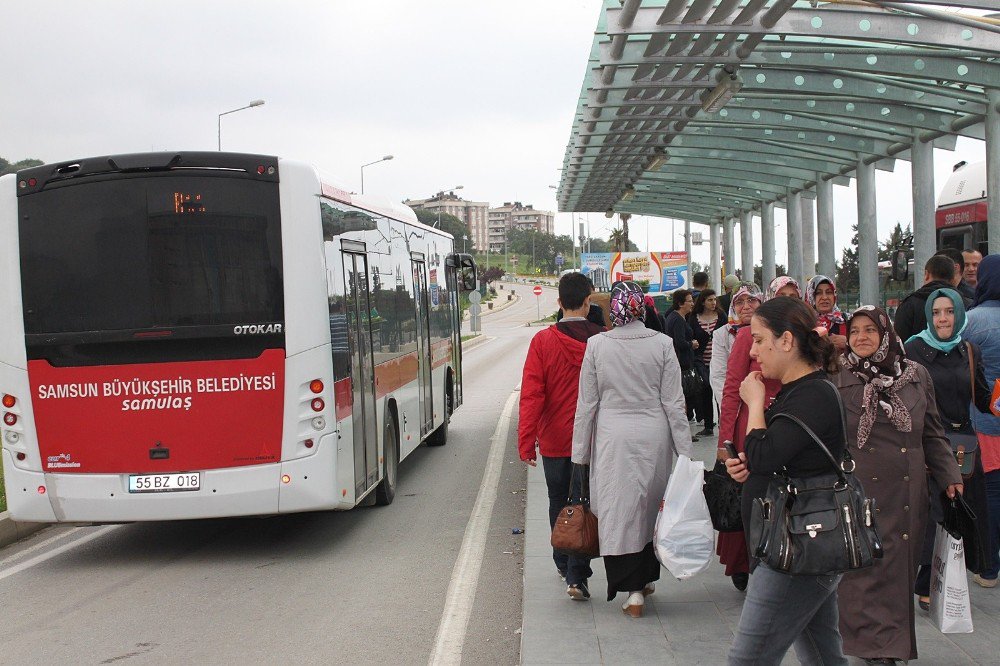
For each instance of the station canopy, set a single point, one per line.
(702, 109)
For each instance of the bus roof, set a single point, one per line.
(966, 183)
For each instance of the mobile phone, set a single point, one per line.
(730, 449)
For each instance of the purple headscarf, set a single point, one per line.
(628, 304)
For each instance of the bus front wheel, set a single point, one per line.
(386, 490)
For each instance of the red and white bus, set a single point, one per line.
(961, 213)
(192, 335)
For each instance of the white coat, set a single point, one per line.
(630, 425)
(722, 343)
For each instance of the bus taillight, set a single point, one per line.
(9, 401)
(317, 405)
(9, 419)
(316, 386)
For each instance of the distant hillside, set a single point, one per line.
(7, 167)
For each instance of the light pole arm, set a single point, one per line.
(256, 102)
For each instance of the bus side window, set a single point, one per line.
(338, 338)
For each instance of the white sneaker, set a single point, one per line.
(984, 582)
(634, 604)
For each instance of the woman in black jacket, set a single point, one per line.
(703, 320)
(940, 349)
(677, 328)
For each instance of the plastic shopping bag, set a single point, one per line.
(684, 538)
(951, 610)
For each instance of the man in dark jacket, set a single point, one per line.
(961, 286)
(939, 273)
(549, 389)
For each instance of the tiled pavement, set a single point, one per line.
(685, 623)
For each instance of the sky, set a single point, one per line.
(460, 92)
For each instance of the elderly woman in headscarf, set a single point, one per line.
(630, 424)
(940, 349)
(821, 293)
(895, 437)
(732, 546)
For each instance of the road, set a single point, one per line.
(368, 585)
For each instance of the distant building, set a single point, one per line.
(473, 213)
(517, 216)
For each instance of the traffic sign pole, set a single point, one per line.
(538, 304)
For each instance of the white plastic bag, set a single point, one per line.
(684, 538)
(951, 610)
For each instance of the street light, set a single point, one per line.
(256, 102)
(384, 159)
(437, 225)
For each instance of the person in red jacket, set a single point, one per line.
(549, 387)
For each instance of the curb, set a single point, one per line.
(480, 339)
(11, 530)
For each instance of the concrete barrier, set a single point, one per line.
(11, 530)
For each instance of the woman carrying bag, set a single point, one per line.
(940, 349)
(782, 610)
(629, 426)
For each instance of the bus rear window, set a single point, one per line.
(134, 253)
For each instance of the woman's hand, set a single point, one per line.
(694, 344)
(752, 389)
(954, 488)
(737, 468)
(839, 341)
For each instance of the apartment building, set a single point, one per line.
(473, 213)
(515, 215)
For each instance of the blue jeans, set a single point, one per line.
(558, 475)
(993, 502)
(781, 611)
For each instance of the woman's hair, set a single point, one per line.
(679, 297)
(783, 313)
(699, 304)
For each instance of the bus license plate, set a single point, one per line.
(164, 483)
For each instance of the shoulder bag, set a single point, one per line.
(723, 496)
(965, 444)
(817, 525)
(575, 531)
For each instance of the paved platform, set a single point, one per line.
(685, 623)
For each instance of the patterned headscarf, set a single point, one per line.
(830, 319)
(628, 304)
(779, 282)
(745, 289)
(884, 373)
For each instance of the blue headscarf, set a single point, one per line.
(988, 280)
(930, 334)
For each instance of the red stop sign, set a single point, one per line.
(537, 290)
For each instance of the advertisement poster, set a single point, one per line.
(662, 271)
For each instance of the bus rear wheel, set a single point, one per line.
(385, 492)
(440, 436)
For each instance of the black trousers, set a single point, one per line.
(558, 474)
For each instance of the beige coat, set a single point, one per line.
(630, 425)
(876, 604)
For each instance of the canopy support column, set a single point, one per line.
(715, 257)
(924, 243)
(728, 246)
(993, 170)
(767, 243)
(808, 238)
(793, 208)
(867, 234)
(746, 243)
(687, 247)
(826, 249)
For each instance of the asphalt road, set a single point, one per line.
(368, 585)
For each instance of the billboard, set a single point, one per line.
(662, 271)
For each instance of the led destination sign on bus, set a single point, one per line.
(188, 203)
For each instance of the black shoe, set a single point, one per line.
(561, 573)
(740, 581)
(707, 432)
(578, 592)
(924, 603)
(880, 660)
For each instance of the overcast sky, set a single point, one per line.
(461, 92)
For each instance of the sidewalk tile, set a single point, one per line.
(611, 621)
(626, 650)
(689, 619)
(541, 580)
(537, 537)
(570, 646)
(559, 614)
(689, 652)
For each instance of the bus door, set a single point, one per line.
(455, 317)
(420, 297)
(366, 430)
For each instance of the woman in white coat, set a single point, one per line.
(630, 425)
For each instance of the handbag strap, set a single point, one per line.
(838, 468)
(584, 483)
(972, 377)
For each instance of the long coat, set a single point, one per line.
(876, 604)
(630, 425)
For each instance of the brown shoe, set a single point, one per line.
(634, 604)
(984, 582)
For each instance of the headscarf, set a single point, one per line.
(628, 304)
(779, 282)
(830, 319)
(745, 289)
(650, 303)
(988, 281)
(883, 373)
(930, 334)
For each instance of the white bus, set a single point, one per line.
(194, 335)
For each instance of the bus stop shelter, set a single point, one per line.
(717, 111)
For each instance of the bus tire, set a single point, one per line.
(385, 492)
(440, 436)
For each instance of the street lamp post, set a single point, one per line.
(450, 189)
(256, 102)
(384, 159)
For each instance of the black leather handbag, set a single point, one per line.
(817, 525)
(723, 496)
(960, 521)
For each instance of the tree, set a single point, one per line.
(618, 239)
(7, 167)
(449, 223)
(758, 274)
(491, 274)
(849, 276)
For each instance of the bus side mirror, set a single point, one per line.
(900, 266)
(466, 273)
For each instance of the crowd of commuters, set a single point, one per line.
(896, 396)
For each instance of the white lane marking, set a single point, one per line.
(465, 576)
(41, 544)
(38, 559)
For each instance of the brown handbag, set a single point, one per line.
(575, 531)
